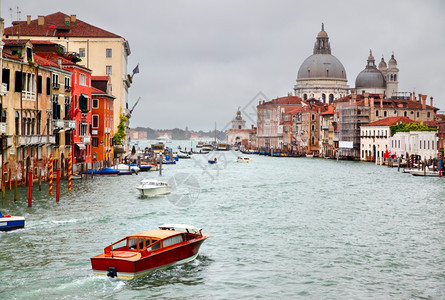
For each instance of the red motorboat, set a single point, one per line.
(139, 254)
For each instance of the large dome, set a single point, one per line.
(370, 77)
(321, 66)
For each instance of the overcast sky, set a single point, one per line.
(200, 60)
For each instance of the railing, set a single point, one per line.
(28, 95)
(80, 158)
(324, 127)
(86, 140)
(4, 90)
(27, 140)
(67, 88)
(107, 130)
(3, 128)
(70, 124)
(58, 124)
(56, 85)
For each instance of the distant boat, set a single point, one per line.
(200, 144)
(164, 138)
(207, 147)
(8, 222)
(243, 159)
(153, 187)
(212, 162)
(222, 147)
(428, 173)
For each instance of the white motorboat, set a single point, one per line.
(243, 159)
(153, 187)
(125, 167)
(164, 138)
(428, 173)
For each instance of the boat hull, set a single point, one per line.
(154, 191)
(424, 173)
(129, 269)
(11, 223)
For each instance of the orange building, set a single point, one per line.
(102, 124)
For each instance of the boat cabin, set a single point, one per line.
(158, 148)
(152, 240)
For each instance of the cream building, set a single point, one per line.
(238, 133)
(321, 76)
(103, 52)
(423, 143)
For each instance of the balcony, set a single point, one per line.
(86, 140)
(4, 89)
(28, 140)
(80, 159)
(70, 124)
(3, 128)
(324, 127)
(107, 130)
(56, 85)
(28, 95)
(58, 124)
(67, 88)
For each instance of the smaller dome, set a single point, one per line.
(322, 34)
(392, 61)
(382, 64)
(370, 78)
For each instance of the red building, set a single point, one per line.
(102, 127)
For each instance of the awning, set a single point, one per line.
(81, 146)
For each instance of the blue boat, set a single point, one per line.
(105, 171)
(126, 172)
(8, 222)
(212, 162)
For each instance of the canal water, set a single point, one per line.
(300, 228)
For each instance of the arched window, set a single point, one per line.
(395, 77)
(305, 97)
(323, 96)
(17, 123)
(331, 98)
(392, 77)
(313, 140)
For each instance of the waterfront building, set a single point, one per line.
(102, 52)
(422, 143)
(270, 123)
(102, 127)
(327, 126)
(238, 135)
(321, 76)
(25, 112)
(375, 138)
(440, 121)
(61, 124)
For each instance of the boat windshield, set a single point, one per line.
(132, 243)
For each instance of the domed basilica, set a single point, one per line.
(323, 77)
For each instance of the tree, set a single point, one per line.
(119, 136)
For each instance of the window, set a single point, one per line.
(55, 78)
(83, 103)
(172, 240)
(376, 113)
(95, 141)
(81, 52)
(95, 103)
(428, 114)
(108, 52)
(82, 79)
(108, 70)
(313, 117)
(17, 123)
(385, 113)
(95, 121)
(67, 82)
(5, 78)
(405, 114)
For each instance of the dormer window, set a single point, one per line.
(28, 53)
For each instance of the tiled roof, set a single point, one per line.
(44, 62)
(96, 91)
(328, 112)
(295, 110)
(10, 56)
(99, 78)
(54, 25)
(390, 121)
(283, 100)
(37, 42)
(15, 42)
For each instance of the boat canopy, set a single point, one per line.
(189, 228)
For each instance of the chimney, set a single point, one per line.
(73, 18)
(420, 98)
(28, 19)
(431, 101)
(366, 101)
(372, 102)
(59, 62)
(67, 20)
(423, 101)
(40, 20)
(381, 103)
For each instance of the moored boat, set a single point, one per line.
(126, 167)
(105, 171)
(8, 222)
(428, 173)
(142, 253)
(243, 159)
(153, 187)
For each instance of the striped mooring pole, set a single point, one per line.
(50, 173)
(69, 170)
